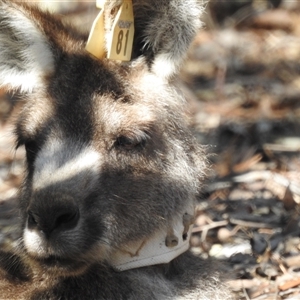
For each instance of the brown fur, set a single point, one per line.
(142, 167)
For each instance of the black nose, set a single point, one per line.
(53, 215)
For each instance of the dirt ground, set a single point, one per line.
(242, 83)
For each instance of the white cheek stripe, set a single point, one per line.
(63, 161)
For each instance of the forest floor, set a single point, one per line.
(242, 84)
(245, 104)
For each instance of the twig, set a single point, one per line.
(210, 226)
(250, 224)
(207, 227)
(246, 294)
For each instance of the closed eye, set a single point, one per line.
(131, 142)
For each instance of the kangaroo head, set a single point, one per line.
(110, 161)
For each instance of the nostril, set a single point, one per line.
(31, 221)
(67, 220)
(56, 215)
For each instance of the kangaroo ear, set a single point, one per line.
(25, 55)
(164, 31)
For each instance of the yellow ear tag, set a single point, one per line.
(96, 42)
(121, 44)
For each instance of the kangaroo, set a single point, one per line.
(113, 172)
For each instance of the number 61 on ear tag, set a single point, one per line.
(121, 44)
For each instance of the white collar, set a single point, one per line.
(160, 248)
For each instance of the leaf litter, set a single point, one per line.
(242, 83)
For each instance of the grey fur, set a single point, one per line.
(110, 159)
